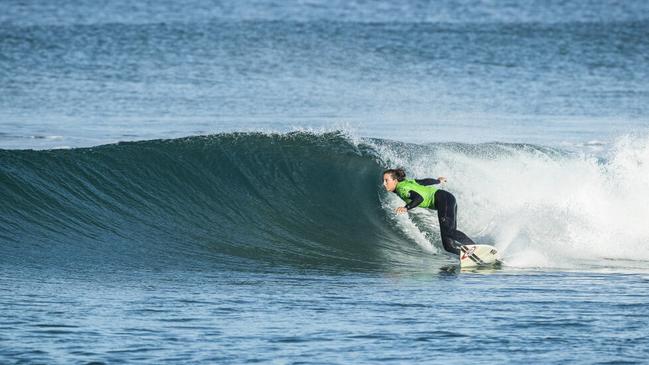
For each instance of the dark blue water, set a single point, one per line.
(181, 317)
(200, 182)
(80, 73)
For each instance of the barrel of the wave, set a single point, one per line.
(421, 193)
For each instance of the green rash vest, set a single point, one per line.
(426, 191)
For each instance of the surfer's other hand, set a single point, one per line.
(401, 210)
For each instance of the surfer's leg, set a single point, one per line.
(444, 202)
(456, 234)
(448, 243)
(461, 237)
(447, 213)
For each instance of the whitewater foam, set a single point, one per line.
(543, 207)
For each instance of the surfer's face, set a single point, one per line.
(389, 182)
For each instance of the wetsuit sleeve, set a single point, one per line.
(415, 200)
(427, 181)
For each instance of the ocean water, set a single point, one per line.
(200, 182)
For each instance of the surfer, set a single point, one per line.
(421, 193)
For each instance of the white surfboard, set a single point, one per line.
(478, 256)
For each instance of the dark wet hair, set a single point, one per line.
(398, 173)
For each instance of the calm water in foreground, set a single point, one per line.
(180, 317)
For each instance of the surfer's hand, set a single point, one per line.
(441, 179)
(401, 210)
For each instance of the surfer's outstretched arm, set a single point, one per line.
(430, 181)
(415, 200)
(427, 181)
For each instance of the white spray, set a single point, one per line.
(544, 208)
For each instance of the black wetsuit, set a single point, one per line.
(446, 213)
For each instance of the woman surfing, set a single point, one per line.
(421, 193)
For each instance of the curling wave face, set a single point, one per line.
(238, 200)
(253, 201)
